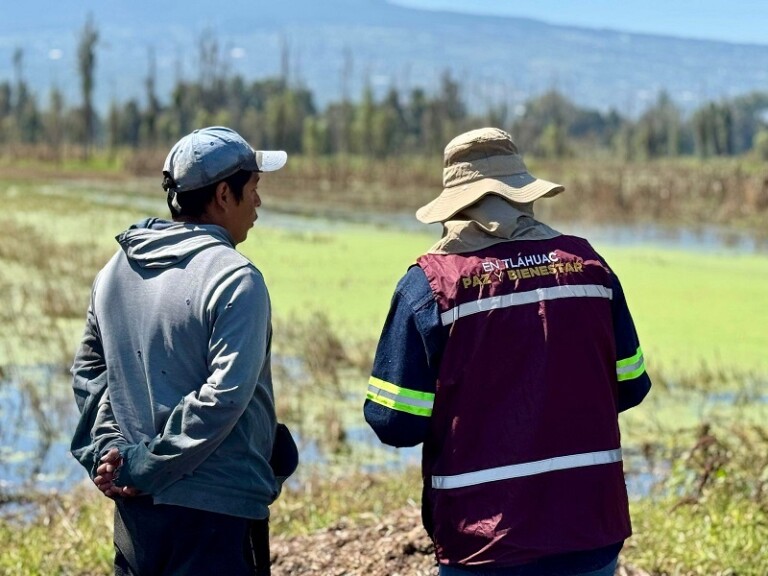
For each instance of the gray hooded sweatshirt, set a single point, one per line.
(174, 370)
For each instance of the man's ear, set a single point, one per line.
(223, 197)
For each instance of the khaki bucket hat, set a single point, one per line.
(481, 162)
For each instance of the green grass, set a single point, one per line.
(71, 536)
(711, 515)
(697, 309)
(717, 538)
(72, 162)
(347, 274)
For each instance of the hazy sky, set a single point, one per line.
(741, 21)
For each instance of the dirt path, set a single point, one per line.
(395, 546)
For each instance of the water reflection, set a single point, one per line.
(37, 415)
(700, 238)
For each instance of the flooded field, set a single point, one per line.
(38, 415)
(37, 411)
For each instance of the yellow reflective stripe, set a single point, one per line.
(631, 360)
(380, 398)
(400, 391)
(629, 368)
(399, 398)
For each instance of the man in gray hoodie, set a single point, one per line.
(173, 376)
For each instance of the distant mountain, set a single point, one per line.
(334, 46)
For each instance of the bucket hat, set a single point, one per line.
(211, 154)
(480, 162)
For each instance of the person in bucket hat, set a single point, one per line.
(173, 378)
(508, 352)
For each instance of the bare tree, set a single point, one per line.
(53, 122)
(86, 65)
(22, 93)
(152, 105)
(213, 70)
(18, 66)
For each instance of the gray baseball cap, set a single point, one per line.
(211, 154)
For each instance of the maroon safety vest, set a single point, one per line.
(523, 457)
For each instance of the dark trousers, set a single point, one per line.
(162, 540)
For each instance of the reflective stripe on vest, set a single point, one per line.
(632, 367)
(519, 298)
(399, 398)
(526, 469)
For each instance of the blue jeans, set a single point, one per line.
(607, 570)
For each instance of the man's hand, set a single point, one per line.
(105, 476)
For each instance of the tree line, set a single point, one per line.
(277, 112)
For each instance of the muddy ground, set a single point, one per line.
(396, 545)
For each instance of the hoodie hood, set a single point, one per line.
(156, 243)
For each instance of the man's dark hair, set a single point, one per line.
(193, 202)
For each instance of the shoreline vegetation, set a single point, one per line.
(699, 444)
(682, 192)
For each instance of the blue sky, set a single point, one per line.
(740, 21)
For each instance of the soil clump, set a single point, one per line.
(394, 545)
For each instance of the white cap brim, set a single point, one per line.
(270, 160)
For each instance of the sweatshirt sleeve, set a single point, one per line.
(238, 351)
(401, 389)
(89, 366)
(633, 381)
(89, 384)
